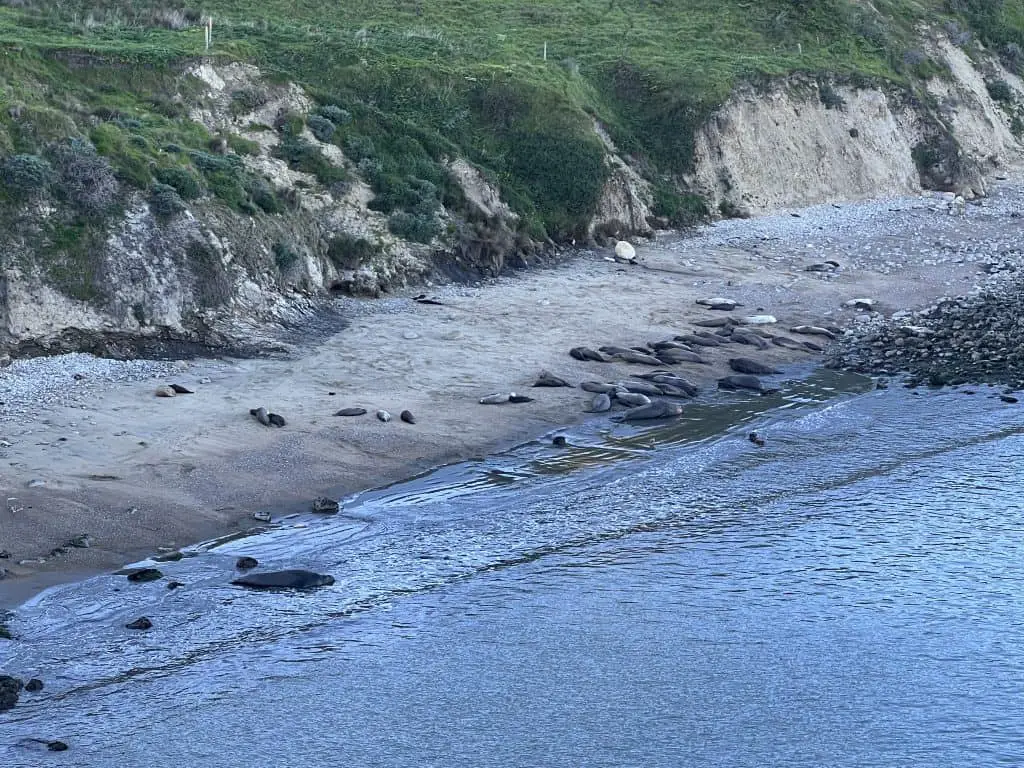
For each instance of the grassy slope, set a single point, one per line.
(425, 78)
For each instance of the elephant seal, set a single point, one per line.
(383, 415)
(701, 341)
(289, 579)
(585, 353)
(514, 398)
(787, 343)
(810, 345)
(601, 403)
(670, 390)
(746, 365)
(245, 563)
(261, 415)
(630, 356)
(559, 441)
(657, 346)
(744, 381)
(34, 685)
(164, 391)
(276, 419)
(496, 399)
(656, 409)
(719, 302)
(142, 622)
(750, 338)
(676, 356)
(351, 412)
(813, 330)
(597, 387)
(407, 417)
(546, 379)
(639, 387)
(180, 390)
(632, 400)
(756, 439)
(715, 322)
(614, 351)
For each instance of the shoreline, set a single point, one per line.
(107, 458)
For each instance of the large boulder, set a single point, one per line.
(10, 690)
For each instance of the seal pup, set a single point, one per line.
(287, 579)
(676, 356)
(497, 398)
(701, 341)
(756, 439)
(597, 387)
(719, 302)
(261, 415)
(715, 322)
(514, 398)
(383, 415)
(180, 390)
(585, 353)
(164, 391)
(631, 399)
(746, 365)
(656, 409)
(601, 403)
(813, 330)
(276, 419)
(407, 417)
(351, 412)
(546, 379)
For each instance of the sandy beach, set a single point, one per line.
(136, 472)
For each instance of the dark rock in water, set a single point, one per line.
(741, 381)
(1008, 399)
(276, 419)
(140, 623)
(33, 685)
(289, 579)
(325, 506)
(514, 398)
(351, 412)
(245, 563)
(746, 365)
(174, 584)
(10, 690)
(57, 746)
(142, 574)
(546, 379)
(560, 441)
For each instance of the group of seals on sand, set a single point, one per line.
(267, 419)
(382, 415)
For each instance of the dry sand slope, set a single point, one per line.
(134, 471)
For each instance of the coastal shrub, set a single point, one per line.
(85, 179)
(681, 210)
(348, 252)
(185, 183)
(263, 196)
(1000, 91)
(303, 156)
(335, 114)
(359, 148)
(243, 146)
(284, 256)
(246, 100)
(416, 227)
(25, 176)
(289, 124)
(130, 161)
(211, 163)
(321, 127)
(164, 201)
(227, 187)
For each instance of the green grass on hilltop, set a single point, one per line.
(424, 80)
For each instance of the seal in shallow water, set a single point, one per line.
(744, 381)
(746, 365)
(657, 409)
(289, 579)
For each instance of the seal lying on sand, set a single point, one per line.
(290, 579)
(585, 353)
(546, 379)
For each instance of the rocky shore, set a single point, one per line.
(91, 456)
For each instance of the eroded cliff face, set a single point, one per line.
(212, 275)
(802, 141)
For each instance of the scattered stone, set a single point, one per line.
(323, 505)
(34, 685)
(142, 622)
(407, 417)
(167, 557)
(384, 416)
(410, 335)
(10, 691)
(865, 305)
(245, 563)
(165, 391)
(351, 412)
(142, 575)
